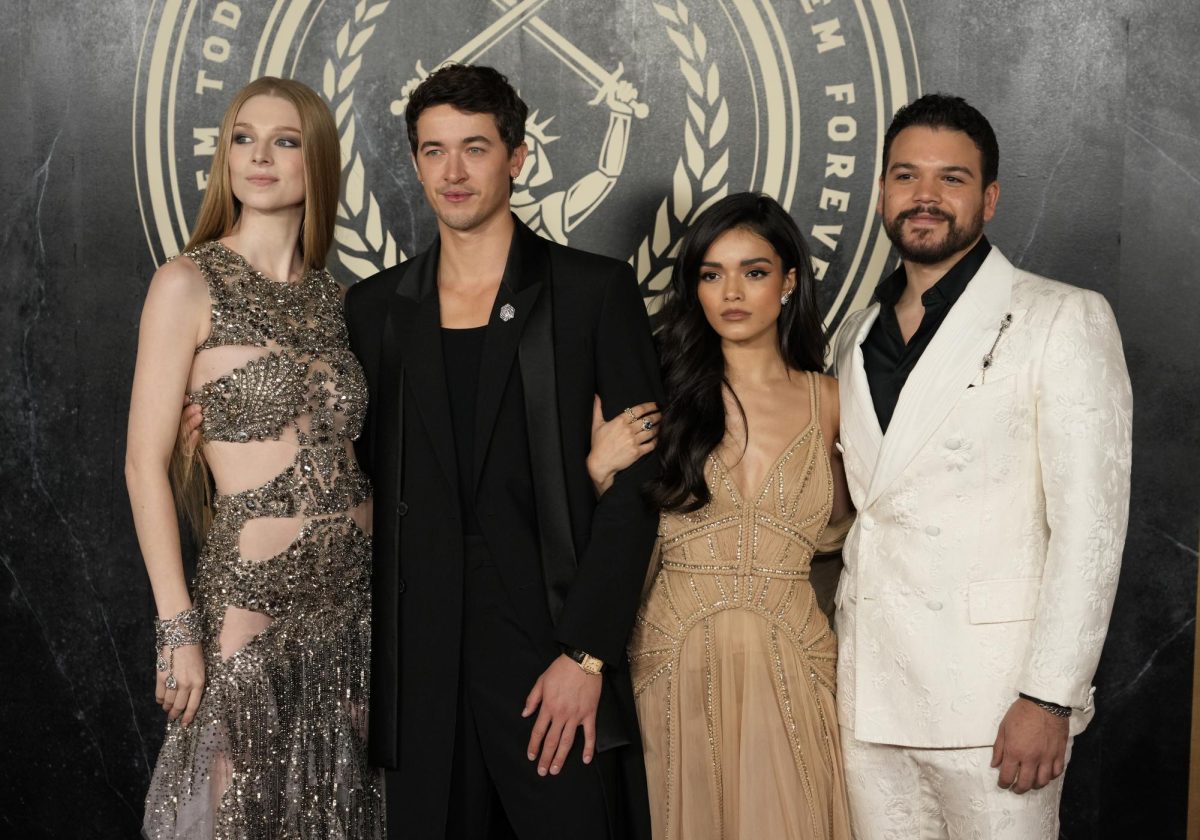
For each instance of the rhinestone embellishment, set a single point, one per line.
(507, 313)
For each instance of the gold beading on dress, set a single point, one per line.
(734, 664)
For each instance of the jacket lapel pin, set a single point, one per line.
(507, 312)
(990, 355)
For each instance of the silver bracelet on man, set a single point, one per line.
(182, 629)
(1047, 706)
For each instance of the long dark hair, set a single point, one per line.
(693, 365)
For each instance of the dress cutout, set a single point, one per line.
(734, 664)
(278, 745)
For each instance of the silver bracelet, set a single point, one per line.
(182, 629)
(1045, 705)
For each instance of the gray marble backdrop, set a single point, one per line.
(1097, 109)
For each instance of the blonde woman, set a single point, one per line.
(263, 662)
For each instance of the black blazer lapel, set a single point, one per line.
(515, 298)
(415, 322)
(522, 326)
(510, 314)
(539, 381)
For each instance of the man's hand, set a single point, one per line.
(1030, 748)
(189, 426)
(568, 698)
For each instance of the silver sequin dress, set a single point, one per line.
(277, 749)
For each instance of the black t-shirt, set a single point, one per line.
(462, 351)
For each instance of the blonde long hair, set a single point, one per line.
(219, 214)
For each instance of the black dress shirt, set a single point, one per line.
(887, 358)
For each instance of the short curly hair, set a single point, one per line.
(476, 90)
(939, 110)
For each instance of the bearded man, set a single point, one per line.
(986, 435)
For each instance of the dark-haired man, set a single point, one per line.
(986, 436)
(504, 590)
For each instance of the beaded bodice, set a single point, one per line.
(308, 378)
(772, 533)
(297, 382)
(748, 551)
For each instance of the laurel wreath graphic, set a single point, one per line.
(363, 245)
(699, 177)
(698, 180)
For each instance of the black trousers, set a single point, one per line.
(495, 791)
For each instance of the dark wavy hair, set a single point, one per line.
(474, 89)
(940, 110)
(693, 364)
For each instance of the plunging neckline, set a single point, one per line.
(813, 412)
(787, 450)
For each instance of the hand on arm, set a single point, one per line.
(619, 442)
(603, 598)
(173, 318)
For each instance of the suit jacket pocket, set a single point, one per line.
(995, 601)
(993, 386)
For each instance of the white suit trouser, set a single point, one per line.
(906, 793)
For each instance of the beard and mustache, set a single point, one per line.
(922, 247)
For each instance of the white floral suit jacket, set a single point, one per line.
(991, 516)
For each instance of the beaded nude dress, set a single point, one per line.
(278, 745)
(734, 664)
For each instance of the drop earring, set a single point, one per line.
(786, 297)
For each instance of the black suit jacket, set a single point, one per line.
(579, 327)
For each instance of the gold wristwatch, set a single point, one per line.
(589, 664)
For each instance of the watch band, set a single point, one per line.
(590, 664)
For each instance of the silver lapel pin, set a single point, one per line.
(507, 312)
(990, 355)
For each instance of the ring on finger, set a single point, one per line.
(647, 425)
(632, 417)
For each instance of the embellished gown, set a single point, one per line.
(734, 663)
(278, 745)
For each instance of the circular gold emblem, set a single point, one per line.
(642, 115)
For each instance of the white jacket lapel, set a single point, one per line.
(860, 425)
(950, 364)
(859, 435)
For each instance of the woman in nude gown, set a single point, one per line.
(733, 661)
(262, 663)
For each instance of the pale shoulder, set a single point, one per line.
(177, 306)
(178, 282)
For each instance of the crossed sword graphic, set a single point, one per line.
(524, 14)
